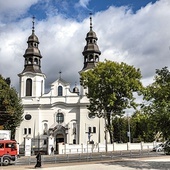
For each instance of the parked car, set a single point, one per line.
(167, 147)
(159, 147)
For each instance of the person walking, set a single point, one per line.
(52, 150)
(38, 157)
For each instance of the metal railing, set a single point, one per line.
(86, 157)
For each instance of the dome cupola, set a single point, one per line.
(32, 54)
(91, 51)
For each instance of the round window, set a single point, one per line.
(28, 117)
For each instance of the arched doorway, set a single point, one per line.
(60, 134)
(59, 139)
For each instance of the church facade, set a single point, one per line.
(61, 115)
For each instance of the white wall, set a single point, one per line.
(90, 148)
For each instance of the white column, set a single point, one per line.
(27, 146)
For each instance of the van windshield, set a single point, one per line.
(11, 145)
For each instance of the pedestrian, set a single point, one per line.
(38, 157)
(52, 150)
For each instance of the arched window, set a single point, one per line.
(30, 61)
(28, 87)
(91, 58)
(35, 44)
(60, 90)
(59, 118)
(96, 58)
(45, 129)
(35, 61)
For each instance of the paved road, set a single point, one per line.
(150, 163)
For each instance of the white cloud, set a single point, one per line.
(84, 3)
(10, 9)
(141, 39)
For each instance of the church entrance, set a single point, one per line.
(59, 139)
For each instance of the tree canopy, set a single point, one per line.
(111, 88)
(158, 95)
(11, 109)
(143, 127)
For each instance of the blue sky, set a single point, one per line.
(79, 9)
(133, 31)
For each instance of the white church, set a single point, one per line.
(61, 115)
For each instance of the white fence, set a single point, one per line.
(90, 148)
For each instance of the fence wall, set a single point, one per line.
(90, 148)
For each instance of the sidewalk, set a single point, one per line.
(151, 163)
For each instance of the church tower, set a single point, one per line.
(91, 51)
(32, 79)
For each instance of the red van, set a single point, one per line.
(8, 151)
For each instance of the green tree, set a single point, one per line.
(143, 127)
(120, 125)
(111, 88)
(158, 96)
(11, 109)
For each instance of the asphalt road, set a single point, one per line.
(149, 163)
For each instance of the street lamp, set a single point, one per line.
(129, 133)
(38, 141)
(105, 134)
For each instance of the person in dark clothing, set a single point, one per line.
(38, 157)
(52, 150)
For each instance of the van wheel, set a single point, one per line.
(6, 161)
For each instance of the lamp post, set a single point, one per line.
(105, 135)
(129, 133)
(119, 123)
(38, 141)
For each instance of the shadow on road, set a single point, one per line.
(141, 164)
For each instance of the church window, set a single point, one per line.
(45, 141)
(30, 61)
(35, 61)
(89, 130)
(96, 58)
(45, 128)
(35, 44)
(28, 87)
(25, 131)
(59, 118)
(94, 129)
(29, 131)
(91, 58)
(60, 90)
(28, 117)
